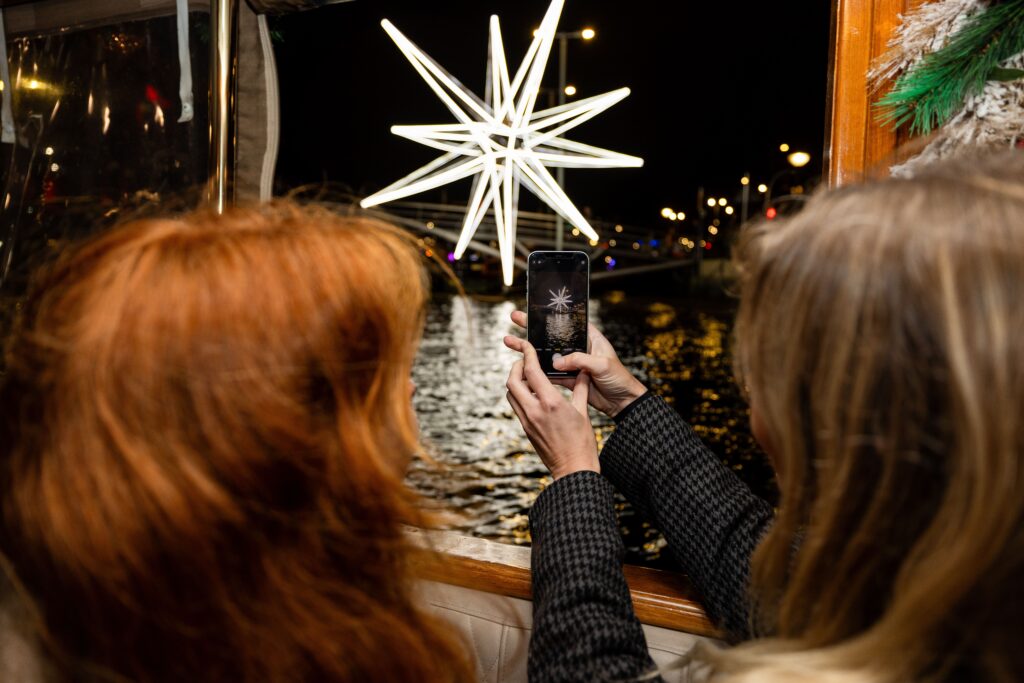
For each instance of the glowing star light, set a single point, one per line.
(501, 141)
(560, 301)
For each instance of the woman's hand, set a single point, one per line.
(612, 388)
(559, 429)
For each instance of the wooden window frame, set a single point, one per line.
(856, 146)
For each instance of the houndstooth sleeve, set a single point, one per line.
(711, 520)
(584, 628)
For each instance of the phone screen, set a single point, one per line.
(557, 290)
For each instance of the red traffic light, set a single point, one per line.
(771, 212)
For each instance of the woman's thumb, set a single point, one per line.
(575, 361)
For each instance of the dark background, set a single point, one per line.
(716, 86)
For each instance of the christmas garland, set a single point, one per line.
(933, 91)
(958, 72)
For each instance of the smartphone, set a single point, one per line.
(557, 294)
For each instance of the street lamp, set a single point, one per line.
(669, 213)
(563, 37)
(762, 188)
(744, 199)
(799, 159)
(570, 90)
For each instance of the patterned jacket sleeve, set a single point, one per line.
(711, 520)
(584, 628)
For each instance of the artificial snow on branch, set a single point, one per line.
(958, 67)
(924, 30)
(932, 92)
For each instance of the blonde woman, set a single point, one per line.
(880, 338)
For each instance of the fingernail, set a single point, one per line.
(556, 359)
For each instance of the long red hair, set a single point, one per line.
(203, 430)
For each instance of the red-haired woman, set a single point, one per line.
(203, 430)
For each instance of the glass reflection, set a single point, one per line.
(95, 115)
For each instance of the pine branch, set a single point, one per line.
(1005, 75)
(934, 91)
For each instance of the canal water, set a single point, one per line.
(480, 465)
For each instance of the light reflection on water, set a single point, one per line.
(559, 329)
(565, 330)
(491, 473)
(488, 472)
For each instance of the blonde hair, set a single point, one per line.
(881, 335)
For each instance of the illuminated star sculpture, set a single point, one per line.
(501, 141)
(560, 301)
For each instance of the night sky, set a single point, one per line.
(717, 86)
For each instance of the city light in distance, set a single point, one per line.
(668, 213)
(711, 201)
(636, 245)
(618, 228)
(729, 210)
(49, 151)
(799, 159)
(612, 243)
(430, 225)
(783, 147)
(570, 90)
(588, 34)
(771, 213)
(745, 180)
(575, 232)
(54, 167)
(713, 230)
(723, 201)
(762, 188)
(593, 243)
